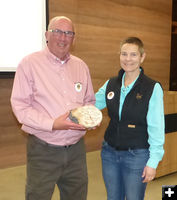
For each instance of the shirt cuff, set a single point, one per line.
(48, 124)
(152, 163)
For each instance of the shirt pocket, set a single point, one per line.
(79, 91)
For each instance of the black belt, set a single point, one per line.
(47, 144)
(123, 148)
(126, 148)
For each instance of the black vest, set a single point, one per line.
(131, 130)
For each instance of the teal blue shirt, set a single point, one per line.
(155, 118)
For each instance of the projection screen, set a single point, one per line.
(23, 25)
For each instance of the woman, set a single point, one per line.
(134, 138)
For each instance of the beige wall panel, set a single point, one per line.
(170, 101)
(169, 163)
(102, 24)
(12, 139)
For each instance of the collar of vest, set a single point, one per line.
(121, 72)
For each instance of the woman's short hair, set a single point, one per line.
(133, 40)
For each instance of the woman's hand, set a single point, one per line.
(148, 174)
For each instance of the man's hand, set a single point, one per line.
(62, 123)
(148, 174)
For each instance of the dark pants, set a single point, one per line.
(48, 165)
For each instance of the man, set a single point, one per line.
(47, 85)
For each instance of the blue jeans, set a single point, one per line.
(122, 172)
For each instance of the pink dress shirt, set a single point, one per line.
(45, 88)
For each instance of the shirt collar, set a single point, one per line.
(54, 58)
(129, 86)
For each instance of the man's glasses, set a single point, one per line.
(60, 33)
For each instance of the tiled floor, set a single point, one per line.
(12, 182)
